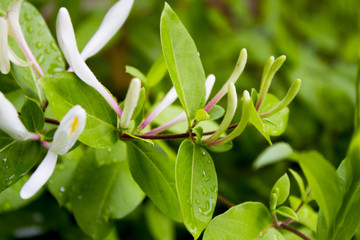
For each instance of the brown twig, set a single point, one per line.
(225, 201)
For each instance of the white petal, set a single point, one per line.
(4, 56)
(10, 122)
(15, 30)
(111, 23)
(69, 130)
(17, 60)
(40, 176)
(209, 84)
(131, 100)
(67, 42)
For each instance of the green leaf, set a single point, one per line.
(116, 153)
(324, 183)
(10, 199)
(17, 158)
(258, 123)
(60, 183)
(160, 226)
(281, 189)
(157, 71)
(32, 116)
(300, 183)
(155, 174)
(133, 71)
(276, 124)
(247, 221)
(8, 84)
(273, 154)
(65, 90)
(306, 214)
(183, 62)
(201, 115)
(216, 112)
(99, 194)
(287, 212)
(43, 47)
(220, 148)
(196, 185)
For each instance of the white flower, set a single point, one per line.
(67, 42)
(16, 32)
(10, 122)
(69, 130)
(131, 100)
(112, 22)
(6, 54)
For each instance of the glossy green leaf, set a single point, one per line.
(8, 84)
(220, 148)
(161, 227)
(281, 189)
(276, 124)
(183, 62)
(258, 122)
(306, 214)
(117, 194)
(216, 112)
(60, 183)
(17, 158)
(32, 116)
(157, 71)
(155, 174)
(324, 183)
(201, 115)
(287, 212)
(65, 90)
(247, 221)
(133, 71)
(116, 153)
(273, 154)
(196, 185)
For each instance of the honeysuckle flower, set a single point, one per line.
(10, 122)
(69, 130)
(131, 100)
(169, 99)
(112, 22)
(6, 54)
(67, 42)
(16, 32)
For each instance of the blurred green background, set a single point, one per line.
(321, 40)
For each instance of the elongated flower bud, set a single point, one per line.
(10, 122)
(69, 130)
(4, 56)
(67, 42)
(112, 22)
(131, 100)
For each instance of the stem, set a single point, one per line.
(289, 220)
(171, 136)
(52, 121)
(225, 201)
(295, 231)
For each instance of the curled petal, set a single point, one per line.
(131, 100)
(17, 60)
(209, 84)
(111, 23)
(15, 30)
(69, 130)
(4, 56)
(67, 42)
(10, 122)
(40, 176)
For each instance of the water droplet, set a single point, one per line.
(203, 190)
(8, 180)
(204, 176)
(6, 166)
(213, 188)
(54, 68)
(36, 13)
(4, 160)
(109, 149)
(39, 45)
(207, 209)
(30, 29)
(62, 189)
(59, 59)
(27, 16)
(203, 153)
(40, 58)
(48, 51)
(197, 201)
(80, 197)
(53, 45)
